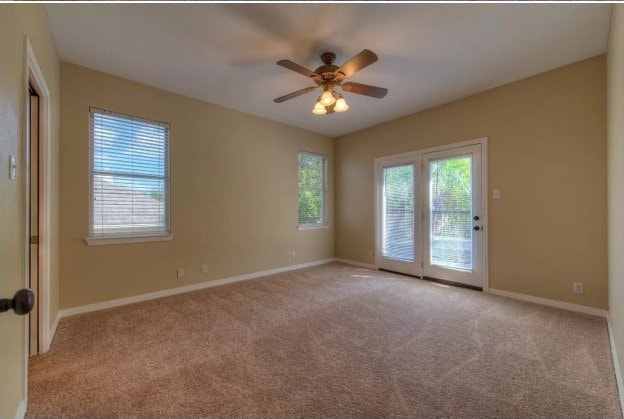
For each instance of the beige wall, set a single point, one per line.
(17, 22)
(233, 193)
(547, 154)
(615, 141)
(234, 185)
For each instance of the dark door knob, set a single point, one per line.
(21, 303)
(476, 228)
(476, 218)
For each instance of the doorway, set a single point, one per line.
(431, 214)
(37, 165)
(34, 277)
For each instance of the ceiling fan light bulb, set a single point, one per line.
(327, 98)
(319, 109)
(341, 105)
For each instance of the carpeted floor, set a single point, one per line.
(332, 340)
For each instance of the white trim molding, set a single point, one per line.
(312, 227)
(616, 364)
(100, 241)
(180, 290)
(21, 410)
(550, 303)
(53, 329)
(356, 263)
(34, 77)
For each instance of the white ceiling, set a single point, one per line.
(429, 54)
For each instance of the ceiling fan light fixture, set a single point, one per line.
(319, 109)
(327, 98)
(328, 76)
(341, 104)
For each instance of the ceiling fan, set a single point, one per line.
(329, 76)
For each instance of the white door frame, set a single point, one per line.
(33, 76)
(417, 154)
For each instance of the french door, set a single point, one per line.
(453, 225)
(399, 215)
(430, 214)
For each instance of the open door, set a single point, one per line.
(16, 299)
(13, 300)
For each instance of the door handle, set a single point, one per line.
(21, 303)
(476, 228)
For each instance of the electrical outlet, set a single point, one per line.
(204, 269)
(180, 273)
(577, 288)
(293, 255)
(496, 194)
(370, 253)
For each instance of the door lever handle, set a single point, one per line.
(21, 303)
(476, 228)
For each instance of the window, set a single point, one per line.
(312, 173)
(129, 176)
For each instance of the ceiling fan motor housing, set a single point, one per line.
(327, 71)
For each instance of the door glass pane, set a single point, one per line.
(398, 213)
(450, 206)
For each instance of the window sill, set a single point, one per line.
(99, 241)
(312, 227)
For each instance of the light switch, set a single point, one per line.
(12, 167)
(495, 193)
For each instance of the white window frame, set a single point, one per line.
(324, 223)
(126, 238)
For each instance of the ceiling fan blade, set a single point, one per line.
(294, 94)
(355, 64)
(365, 89)
(298, 68)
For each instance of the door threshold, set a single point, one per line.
(441, 281)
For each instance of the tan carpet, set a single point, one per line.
(333, 340)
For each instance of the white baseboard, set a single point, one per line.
(616, 364)
(53, 330)
(551, 303)
(180, 290)
(355, 263)
(21, 410)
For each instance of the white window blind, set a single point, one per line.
(129, 176)
(312, 189)
(451, 212)
(398, 213)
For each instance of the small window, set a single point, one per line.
(129, 176)
(312, 190)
